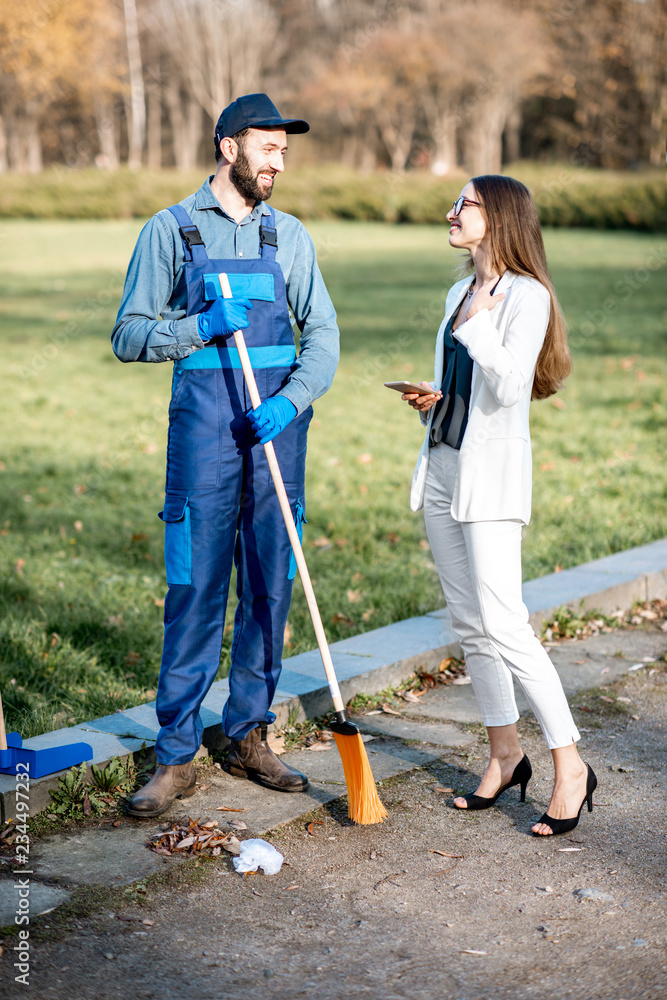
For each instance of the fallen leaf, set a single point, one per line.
(409, 696)
(255, 893)
(237, 824)
(547, 466)
(445, 854)
(340, 619)
(568, 850)
(277, 744)
(204, 788)
(288, 888)
(471, 951)
(389, 711)
(321, 543)
(354, 596)
(441, 790)
(210, 825)
(229, 809)
(558, 403)
(232, 845)
(148, 923)
(316, 822)
(373, 855)
(20, 563)
(365, 458)
(186, 842)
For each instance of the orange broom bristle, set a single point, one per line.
(364, 804)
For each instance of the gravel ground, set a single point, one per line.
(373, 912)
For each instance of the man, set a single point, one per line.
(220, 501)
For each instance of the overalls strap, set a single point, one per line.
(268, 236)
(194, 247)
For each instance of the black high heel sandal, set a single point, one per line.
(559, 826)
(521, 775)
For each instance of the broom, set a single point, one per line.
(364, 804)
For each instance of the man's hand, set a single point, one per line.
(224, 316)
(425, 402)
(271, 417)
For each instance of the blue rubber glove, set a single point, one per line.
(271, 417)
(224, 316)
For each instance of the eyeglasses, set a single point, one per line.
(460, 204)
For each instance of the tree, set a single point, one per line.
(645, 30)
(511, 52)
(137, 109)
(216, 51)
(46, 56)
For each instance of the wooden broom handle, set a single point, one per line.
(269, 450)
(3, 734)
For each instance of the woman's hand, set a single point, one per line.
(483, 299)
(425, 402)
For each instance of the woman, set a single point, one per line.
(501, 343)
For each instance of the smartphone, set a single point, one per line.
(409, 387)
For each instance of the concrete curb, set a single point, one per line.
(364, 663)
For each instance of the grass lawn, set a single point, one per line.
(82, 466)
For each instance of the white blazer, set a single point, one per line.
(494, 478)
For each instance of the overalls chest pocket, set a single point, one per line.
(194, 443)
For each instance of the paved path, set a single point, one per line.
(365, 663)
(372, 911)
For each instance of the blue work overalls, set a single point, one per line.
(221, 505)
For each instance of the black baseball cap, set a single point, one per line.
(255, 111)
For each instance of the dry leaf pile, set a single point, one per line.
(569, 624)
(194, 839)
(449, 671)
(303, 736)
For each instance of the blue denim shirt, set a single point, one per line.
(152, 326)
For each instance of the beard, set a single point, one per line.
(246, 182)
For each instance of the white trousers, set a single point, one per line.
(479, 563)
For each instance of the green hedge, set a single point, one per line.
(564, 196)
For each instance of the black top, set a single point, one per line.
(450, 418)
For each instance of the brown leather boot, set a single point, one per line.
(253, 758)
(170, 781)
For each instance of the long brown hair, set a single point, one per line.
(517, 245)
